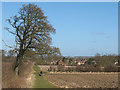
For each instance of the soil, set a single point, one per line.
(84, 80)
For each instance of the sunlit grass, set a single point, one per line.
(40, 81)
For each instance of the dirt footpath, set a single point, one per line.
(31, 77)
(30, 80)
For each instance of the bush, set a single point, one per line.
(111, 68)
(60, 68)
(52, 69)
(9, 79)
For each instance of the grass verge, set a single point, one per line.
(40, 81)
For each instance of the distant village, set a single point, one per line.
(70, 62)
(79, 64)
(75, 62)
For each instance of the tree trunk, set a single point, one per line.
(16, 71)
(16, 67)
(17, 64)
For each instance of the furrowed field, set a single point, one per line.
(84, 80)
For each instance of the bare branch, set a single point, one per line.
(9, 31)
(7, 45)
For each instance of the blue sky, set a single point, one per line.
(82, 29)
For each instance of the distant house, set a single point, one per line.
(53, 62)
(94, 61)
(75, 61)
(81, 62)
(116, 62)
(60, 62)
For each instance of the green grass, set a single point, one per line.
(40, 81)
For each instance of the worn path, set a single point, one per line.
(40, 81)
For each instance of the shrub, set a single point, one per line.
(60, 68)
(9, 79)
(112, 68)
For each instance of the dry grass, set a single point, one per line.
(10, 80)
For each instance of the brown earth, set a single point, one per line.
(84, 80)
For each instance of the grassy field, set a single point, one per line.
(40, 81)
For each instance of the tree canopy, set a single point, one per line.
(32, 30)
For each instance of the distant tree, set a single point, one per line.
(3, 53)
(63, 59)
(32, 31)
(97, 54)
(11, 53)
(89, 61)
(79, 58)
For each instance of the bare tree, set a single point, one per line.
(32, 31)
